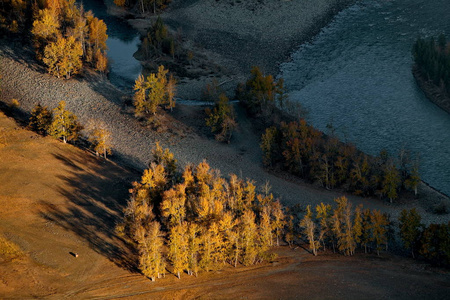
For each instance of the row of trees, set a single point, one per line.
(154, 91)
(306, 152)
(432, 59)
(143, 5)
(63, 124)
(344, 229)
(65, 36)
(431, 242)
(197, 220)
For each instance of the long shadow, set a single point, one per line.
(96, 191)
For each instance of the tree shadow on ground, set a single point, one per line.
(96, 191)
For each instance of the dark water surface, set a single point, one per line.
(356, 75)
(123, 41)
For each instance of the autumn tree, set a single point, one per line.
(410, 229)
(391, 182)
(323, 216)
(173, 205)
(367, 229)
(221, 119)
(41, 119)
(379, 223)
(151, 260)
(178, 248)
(63, 57)
(309, 230)
(193, 248)
(99, 137)
(414, 178)
(269, 145)
(65, 124)
(151, 92)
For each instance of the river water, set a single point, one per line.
(123, 41)
(356, 75)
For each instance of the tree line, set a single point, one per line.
(308, 153)
(65, 37)
(304, 151)
(143, 5)
(63, 124)
(432, 59)
(194, 220)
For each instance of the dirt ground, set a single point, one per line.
(57, 201)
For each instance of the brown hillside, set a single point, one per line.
(57, 201)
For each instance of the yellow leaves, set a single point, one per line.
(154, 176)
(154, 91)
(120, 3)
(99, 137)
(97, 33)
(173, 205)
(46, 25)
(63, 57)
(101, 63)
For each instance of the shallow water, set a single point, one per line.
(123, 41)
(356, 75)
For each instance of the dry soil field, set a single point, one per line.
(57, 200)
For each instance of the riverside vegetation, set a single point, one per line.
(432, 69)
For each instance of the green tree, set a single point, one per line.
(410, 229)
(65, 124)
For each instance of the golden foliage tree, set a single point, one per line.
(100, 138)
(65, 124)
(63, 57)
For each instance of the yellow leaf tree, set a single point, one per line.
(63, 57)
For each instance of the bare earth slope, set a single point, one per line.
(57, 201)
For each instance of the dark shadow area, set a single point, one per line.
(21, 50)
(97, 191)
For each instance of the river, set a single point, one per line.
(356, 75)
(123, 41)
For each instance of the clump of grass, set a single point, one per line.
(8, 249)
